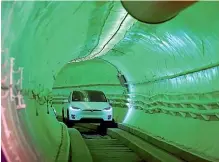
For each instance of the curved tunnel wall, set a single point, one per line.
(176, 77)
(95, 74)
(172, 68)
(88, 74)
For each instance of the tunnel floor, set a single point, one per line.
(104, 148)
(111, 150)
(112, 144)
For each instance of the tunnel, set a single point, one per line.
(161, 78)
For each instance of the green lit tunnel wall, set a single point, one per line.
(171, 68)
(95, 74)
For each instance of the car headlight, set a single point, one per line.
(74, 108)
(108, 108)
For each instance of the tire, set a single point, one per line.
(67, 118)
(110, 124)
(63, 115)
(69, 122)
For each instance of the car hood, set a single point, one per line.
(91, 105)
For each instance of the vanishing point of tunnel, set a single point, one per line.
(147, 70)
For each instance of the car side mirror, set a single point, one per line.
(110, 102)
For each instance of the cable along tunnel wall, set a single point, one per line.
(171, 68)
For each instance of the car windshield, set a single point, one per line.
(79, 96)
(96, 96)
(89, 96)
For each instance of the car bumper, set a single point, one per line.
(77, 115)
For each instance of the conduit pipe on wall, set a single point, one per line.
(154, 12)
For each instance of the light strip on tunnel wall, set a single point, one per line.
(128, 115)
(122, 23)
(130, 106)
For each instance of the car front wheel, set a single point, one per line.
(63, 115)
(110, 124)
(69, 122)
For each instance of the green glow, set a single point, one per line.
(175, 62)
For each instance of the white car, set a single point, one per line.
(89, 106)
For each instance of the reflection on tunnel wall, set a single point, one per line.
(171, 68)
